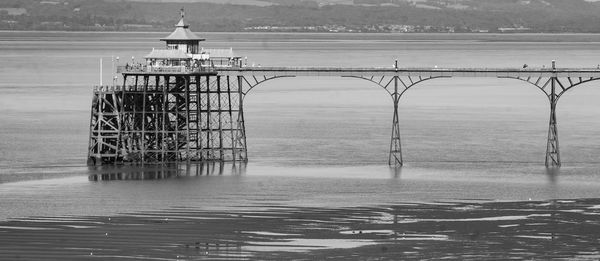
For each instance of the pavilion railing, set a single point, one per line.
(142, 68)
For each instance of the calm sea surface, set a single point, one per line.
(311, 141)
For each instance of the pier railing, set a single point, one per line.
(413, 72)
(163, 69)
(107, 88)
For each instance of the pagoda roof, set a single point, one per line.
(182, 33)
(167, 54)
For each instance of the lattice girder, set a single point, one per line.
(168, 118)
(553, 88)
(396, 86)
(545, 84)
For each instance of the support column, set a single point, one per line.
(144, 109)
(121, 144)
(209, 127)
(187, 119)
(552, 149)
(230, 125)
(395, 144)
(239, 146)
(199, 144)
(164, 118)
(220, 113)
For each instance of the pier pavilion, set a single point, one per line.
(174, 107)
(184, 53)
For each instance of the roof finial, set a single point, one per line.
(182, 12)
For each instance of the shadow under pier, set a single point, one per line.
(166, 171)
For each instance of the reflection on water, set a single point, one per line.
(557, 229)
(466, 140)
(396, 171)
(225, 186)
(165, 171)
(553, 174)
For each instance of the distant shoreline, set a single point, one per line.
(306, 32)
(587, 38)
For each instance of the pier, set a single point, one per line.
(174, 116)
(186, 104)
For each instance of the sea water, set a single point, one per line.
(312, 141)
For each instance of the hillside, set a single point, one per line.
(309, 15)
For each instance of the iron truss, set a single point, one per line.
(168, 118)
(396, 81)
(553, 87)
(395, 87)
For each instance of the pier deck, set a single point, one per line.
(424, 72)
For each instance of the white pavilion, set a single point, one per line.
(184, 51)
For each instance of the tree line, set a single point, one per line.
(481, 15)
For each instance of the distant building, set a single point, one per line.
(138, 26)
(49, 2)
(52, 24)
(14, 11)
(519, 29)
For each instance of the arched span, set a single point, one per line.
(553, 88)
(391, 84)
(409, 82)
(396, 85)
(546, 82)
(576, 84)
(535, 84)
(387, 85)
(257, 81)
